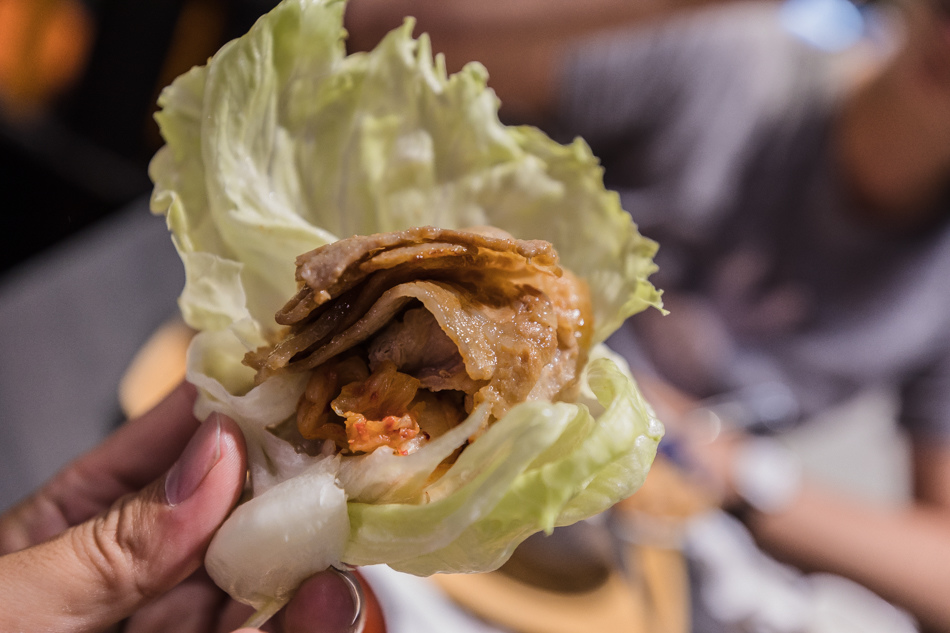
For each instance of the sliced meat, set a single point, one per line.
(482, 316)
(417, 346)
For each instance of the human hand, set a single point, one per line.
(702, 445)
(120, 534)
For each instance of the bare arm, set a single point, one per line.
(903, 554)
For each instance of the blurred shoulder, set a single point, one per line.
(737, 53)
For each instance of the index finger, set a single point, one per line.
(138, 452)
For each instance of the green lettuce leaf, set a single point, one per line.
(283, 143)
(541, 466)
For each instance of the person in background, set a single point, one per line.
(801, 199)
(802, 211)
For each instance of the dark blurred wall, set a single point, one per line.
(74, 152)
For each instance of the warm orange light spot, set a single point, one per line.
(44, 45)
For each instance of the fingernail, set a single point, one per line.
(201, 454)
(333, 600)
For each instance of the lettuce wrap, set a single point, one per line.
(282, 144)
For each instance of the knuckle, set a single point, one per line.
(114, 546)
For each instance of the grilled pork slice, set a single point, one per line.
(405, 333)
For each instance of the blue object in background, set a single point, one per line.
(831, 25)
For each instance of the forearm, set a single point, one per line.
(903, 554)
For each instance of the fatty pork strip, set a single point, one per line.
(405, 333)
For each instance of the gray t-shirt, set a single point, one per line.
(716, 130)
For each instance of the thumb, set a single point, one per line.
(100, 571)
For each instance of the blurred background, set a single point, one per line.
(78, 85)
(79, 81)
